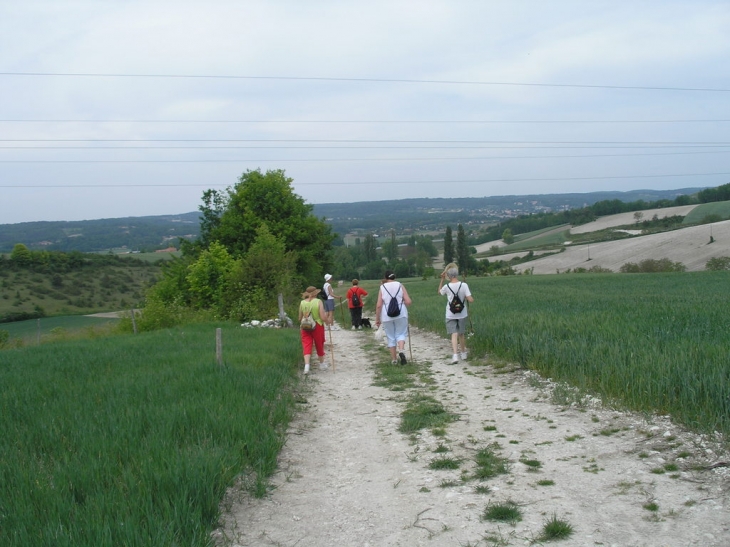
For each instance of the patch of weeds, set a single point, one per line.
(609, 431)
(448, 483)
(439, 432)
(514, 442)
(424, 489)
(444, 463)
(564, 395)
(482, 489)
(500, 435)
(573, 438)
(684, 454)
(423, 411)
(690, 503)
(546, 482)
(555, 529)
(657, 471)
(490, 428)
(651, 506)
(643, 455)
(544, 442)
(533, 465)
(671, 467)
(592, 467)
(441, 448)
(396, 378)
(595, 419)
(674, 476)
(503, 512)
(489, 464)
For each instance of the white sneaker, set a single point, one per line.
(323, 366)
(306, 369)
(353, 327)
(455, 358)
(394, 362)
(463, 356)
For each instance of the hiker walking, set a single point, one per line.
(355, 302)
(312, 308)
(457, 295)
(329, 303)
(391, 311)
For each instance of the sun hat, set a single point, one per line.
(327, 277)
(312, 291)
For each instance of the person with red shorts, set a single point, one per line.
(311, 305)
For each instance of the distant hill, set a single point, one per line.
(133, 233)
(155, 232)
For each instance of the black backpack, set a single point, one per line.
(355, 300)
(323, 295)
(456, 305)
(393, 307)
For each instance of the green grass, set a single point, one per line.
(721, 208)
(503, 512)
(133, 440)
(650, 342)
(444, 463)
(28, 330)
(489, 463)
(555, 529)
(423, 412)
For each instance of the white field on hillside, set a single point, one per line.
(690, 246)
(623, 219)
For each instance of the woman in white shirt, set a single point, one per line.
(455, 319)
(394, 324)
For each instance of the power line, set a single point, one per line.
(362, 160)
(472, 122)
(392, 141)
(360, 80)
(360, 183)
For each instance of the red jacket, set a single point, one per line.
(360, 293)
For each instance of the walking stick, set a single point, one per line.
(332, 348)
(342, 309)
(410, 350)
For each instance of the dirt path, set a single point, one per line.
(349, 478)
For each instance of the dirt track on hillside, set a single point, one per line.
(347, 477)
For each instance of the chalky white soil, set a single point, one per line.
(347, 477)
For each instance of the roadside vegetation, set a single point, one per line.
(655, 343)
(132, 440)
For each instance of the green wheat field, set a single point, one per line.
(133, 440)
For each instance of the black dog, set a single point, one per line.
(365, 323)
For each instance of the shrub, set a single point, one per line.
(718, 263)
(651, 265)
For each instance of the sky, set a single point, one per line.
(134, 108)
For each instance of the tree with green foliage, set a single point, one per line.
(266, 270)
(448, 246)
(208, 276)
(370, 248)
(462, 251)
(233, 219)
(508, 237)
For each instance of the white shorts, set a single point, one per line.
(396, 330)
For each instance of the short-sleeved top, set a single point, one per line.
(396, 291)
(462, 289)
(312, 307)
(360, 293)
(327, 292)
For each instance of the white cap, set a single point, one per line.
(327, 277)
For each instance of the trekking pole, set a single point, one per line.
(342, 309)
(332, 348)
(410, 350)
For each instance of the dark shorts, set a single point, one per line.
(329, 304)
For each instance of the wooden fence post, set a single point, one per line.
(219, 347)
(134, 323)
(38, 321)
(285, 320)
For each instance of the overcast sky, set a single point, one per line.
(132, 108)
